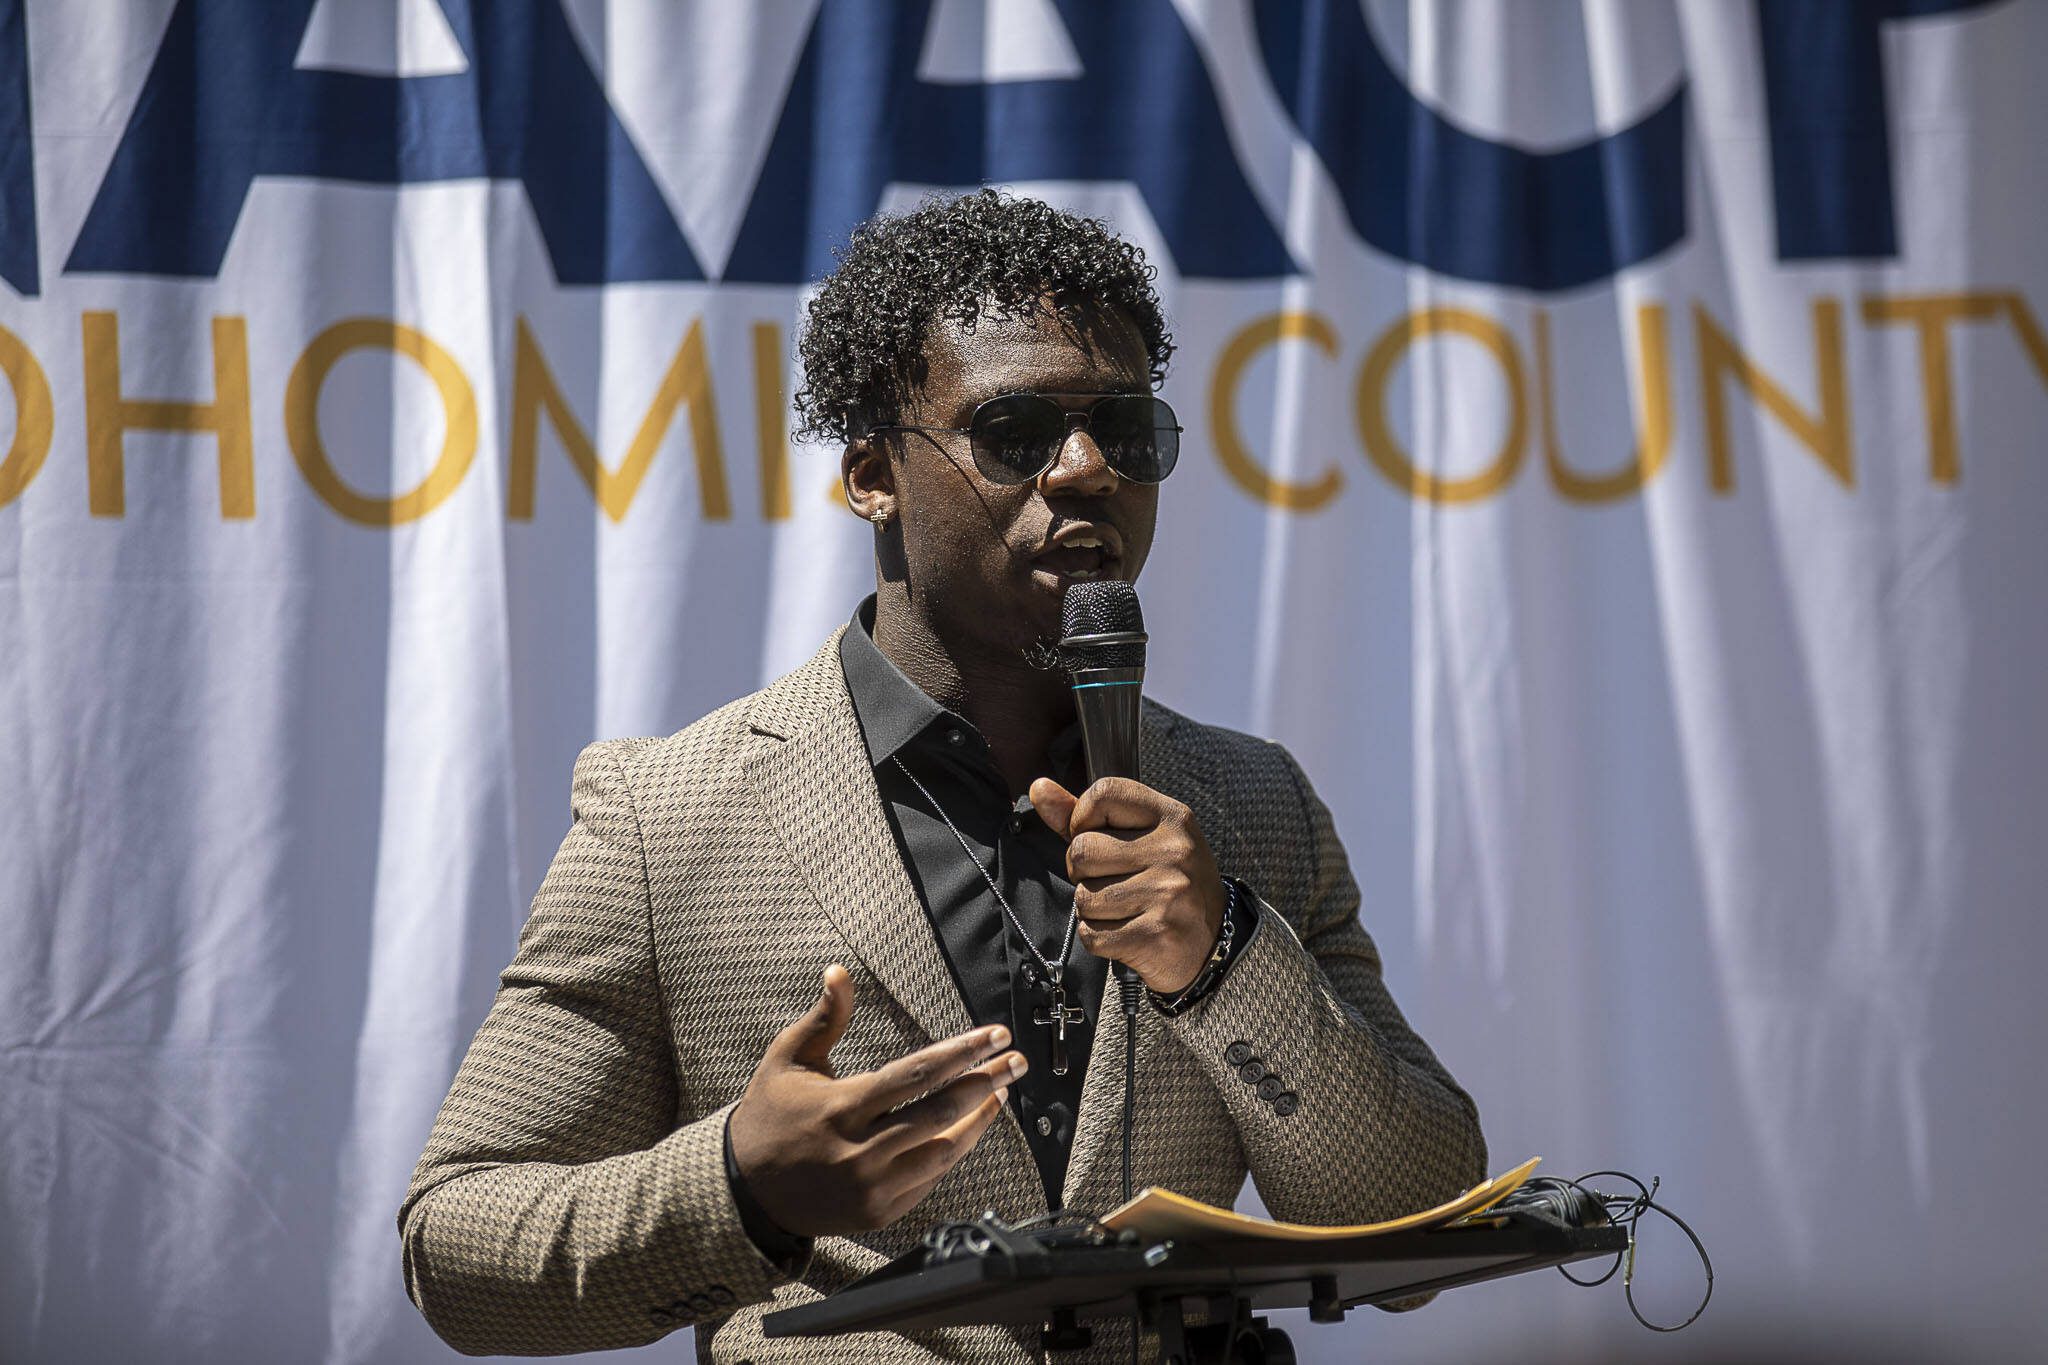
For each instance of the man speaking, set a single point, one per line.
(828, 966)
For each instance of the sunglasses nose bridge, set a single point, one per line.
(1089, 465)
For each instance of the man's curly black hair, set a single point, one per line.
(985, 254)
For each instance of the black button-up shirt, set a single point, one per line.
(1000, 979)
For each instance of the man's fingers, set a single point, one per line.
(1107, 902)
(1118, 803)
(1112, 934)
(922, 1120)
(957, 1139)
(928, 1068)
(919, 1168)
(809, 1040)
(1054, 804)
(1111, 852)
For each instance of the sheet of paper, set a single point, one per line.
(1157, 1213)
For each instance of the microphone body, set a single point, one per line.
(1103, 648)
(1106, 699)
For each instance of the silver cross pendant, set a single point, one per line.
(1056, 1017)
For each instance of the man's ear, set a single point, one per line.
(869, 479)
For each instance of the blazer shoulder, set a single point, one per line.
(1231, 756)
(709, 747)
(1249, 796)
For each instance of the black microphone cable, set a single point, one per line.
(1562, 1203)
(1131, 989)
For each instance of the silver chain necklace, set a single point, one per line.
(1059, 1013)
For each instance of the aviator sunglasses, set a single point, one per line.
(1017, 437)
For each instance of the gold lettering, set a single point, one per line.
(687, 382)
(34, 416)
(1385, 451)
(302, 420)
(1654, 402)
(1930, 315)
(1827, 434)
(108, 414)
(771, 434)
(1236, 457)
(2032, 340)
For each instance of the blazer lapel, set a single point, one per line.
(817, 788)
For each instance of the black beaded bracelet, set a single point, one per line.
(1240, 919)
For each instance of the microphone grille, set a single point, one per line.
(1104, 608)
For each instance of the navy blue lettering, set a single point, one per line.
(1424, 191)
(1831, 156)
(856, 118)
(223, 104)
(17, 156)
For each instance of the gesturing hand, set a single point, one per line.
(1145, 883)
(822, 1153)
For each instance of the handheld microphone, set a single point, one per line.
(1103, 650)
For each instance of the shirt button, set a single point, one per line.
(1044, 1126)
(955, 737)
(1016, 824)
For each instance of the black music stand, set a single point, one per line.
(1165, 1284)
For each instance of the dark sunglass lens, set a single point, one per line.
(1138, 436)
(1015, 437)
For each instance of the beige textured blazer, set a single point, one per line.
(573, 1194)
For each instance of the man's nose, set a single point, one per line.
(1080, 469)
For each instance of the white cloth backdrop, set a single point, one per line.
(1615, 467)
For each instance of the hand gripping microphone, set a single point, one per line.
(1103, 650)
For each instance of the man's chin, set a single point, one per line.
(1046, 595)
(1002, 624)
(1025, 619)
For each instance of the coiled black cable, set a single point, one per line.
(1622, 1211)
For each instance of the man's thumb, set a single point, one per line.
(809, 1040)
(1054, 804)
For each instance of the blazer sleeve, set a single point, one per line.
(1344, 1113)
(558, 1206)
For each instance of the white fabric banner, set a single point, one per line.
(1614, 467)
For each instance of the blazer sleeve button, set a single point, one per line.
(1238, 1053)
(1252, 1072)
(1270, 1088)
(1285, 1103)
(661, 1317)
(720, 1295)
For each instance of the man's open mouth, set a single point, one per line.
(1079, 557)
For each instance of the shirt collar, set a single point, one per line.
(893, 710)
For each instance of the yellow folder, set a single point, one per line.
(1157, 1213)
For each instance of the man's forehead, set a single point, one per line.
(1079, 345)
